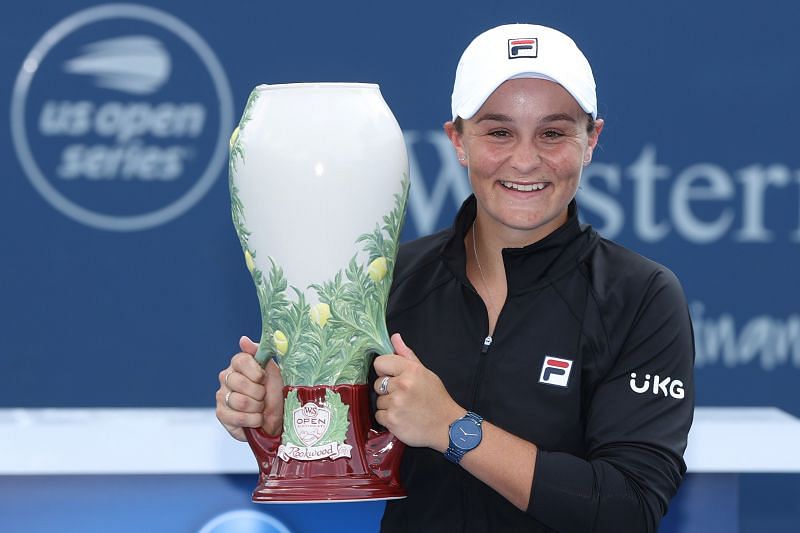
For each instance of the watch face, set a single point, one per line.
(465, 434)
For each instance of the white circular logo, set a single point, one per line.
(120, 117)
(244, 520)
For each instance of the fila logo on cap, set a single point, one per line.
(528, 47)
(555, 371)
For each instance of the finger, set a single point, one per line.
(389, 365)
(274, 387)
(382, 403)
(238, 383)
(247, 345)
(381, 418)
(236, 401)
(273, 371)
(400, 348)
(234, 421)
(245, 364)
(244, 376)
(223, 375)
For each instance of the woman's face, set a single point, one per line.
(524, 150)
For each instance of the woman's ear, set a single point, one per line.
(455, 138)
(594, 137)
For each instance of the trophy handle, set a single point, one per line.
(384, 452)
(265, 447)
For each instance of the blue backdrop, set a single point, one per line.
(122, 278)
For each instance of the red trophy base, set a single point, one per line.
(370, 472)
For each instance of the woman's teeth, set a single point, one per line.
(524, 187)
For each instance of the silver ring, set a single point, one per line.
(227, 375)
(228, 397)
(384, 386)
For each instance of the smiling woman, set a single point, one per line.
(518, 401)
(524, 150)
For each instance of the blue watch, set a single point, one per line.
(465, 435)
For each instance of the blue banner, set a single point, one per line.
(121, 267)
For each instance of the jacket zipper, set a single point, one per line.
(487, 343)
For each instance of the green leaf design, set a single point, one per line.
(337, 430)
(274, 305)
(337, 352)
(289, 435)
(237, 150)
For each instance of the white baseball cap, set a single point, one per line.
(521, 51)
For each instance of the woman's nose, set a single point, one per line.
(525, 158)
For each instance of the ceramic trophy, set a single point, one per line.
(318, 183)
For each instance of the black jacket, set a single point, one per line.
(611, 441)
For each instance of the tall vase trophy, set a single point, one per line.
(319, 182)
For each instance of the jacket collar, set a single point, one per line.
(529, 267)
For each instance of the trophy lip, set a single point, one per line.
(316, 85)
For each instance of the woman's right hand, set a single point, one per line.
(250, 396)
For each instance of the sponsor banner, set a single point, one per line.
(116, 210)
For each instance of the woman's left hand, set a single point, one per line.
(415, 406)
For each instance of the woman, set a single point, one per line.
(550, 382)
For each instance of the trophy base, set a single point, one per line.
(332, 490)
(365, 466)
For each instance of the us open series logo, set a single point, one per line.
(120, 117)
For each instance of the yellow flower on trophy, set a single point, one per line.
(377, 269)
(234, 137)
(281, 342)
(320, 313)
(248, 259)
